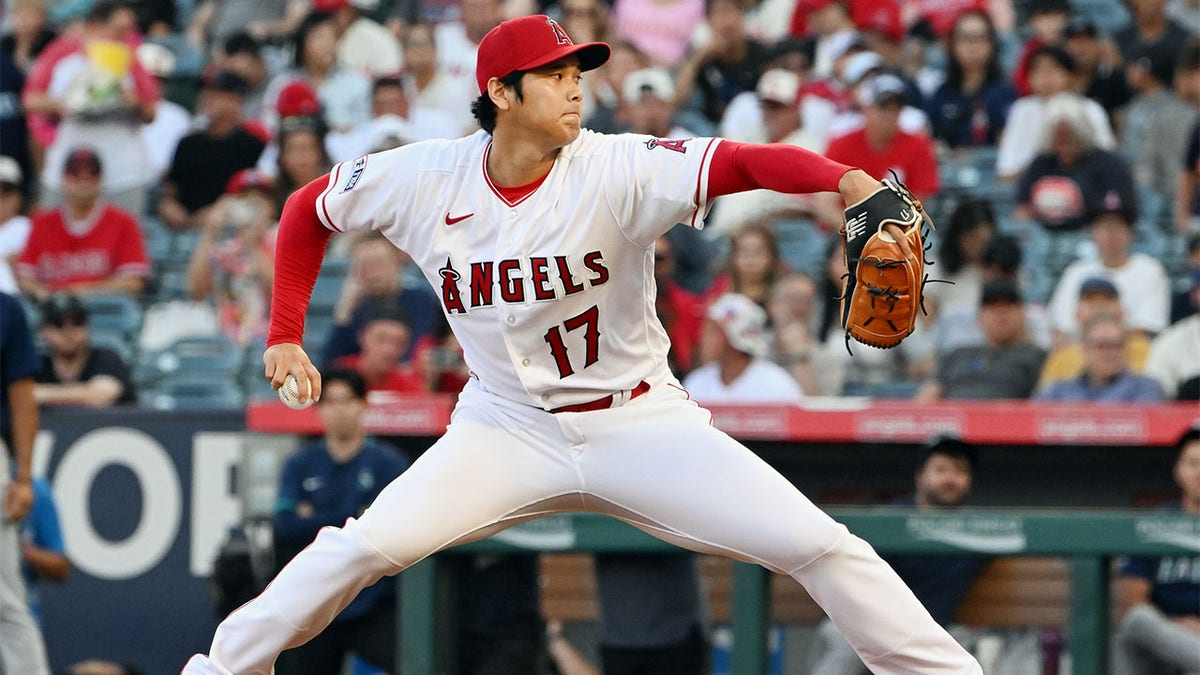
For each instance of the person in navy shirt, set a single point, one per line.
(1158, 599)
(1106, 374)
(333, 479)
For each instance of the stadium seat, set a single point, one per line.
(193, 394)
(802, 244)
(116, 313)
(191, 358)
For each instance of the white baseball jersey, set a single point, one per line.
(548, 273)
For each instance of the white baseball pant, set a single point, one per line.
(21, 647)
(655, 462)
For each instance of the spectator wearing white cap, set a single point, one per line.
(171, 121)
(648, 104)
(779, 92)
(392, 114)
(734, 347)
(858, 72)
(14, 224)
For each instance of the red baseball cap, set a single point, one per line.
(248, 179)
(530, 42)
(298, 99)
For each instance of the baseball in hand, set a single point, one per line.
(289, 393)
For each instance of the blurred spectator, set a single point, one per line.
(73, 371)
(1097, 297)
(648, 104)
(1051, 70)
(385, 338)
(233, 262)
(856, 72)
(302, 156)
(607, 87)
(1158, 599)
(331, 480)
(1006, 366)
(957, 323)
(1149, 27)
(660, 29)
(943, 479)
(653, 614)
(1106, 374)
(829, 22)
(881, 146)
(376, 276)
(1185, 302)
(87, 87)
(1098, 74)
(1047, 25)
(21, 641)
(734, 347)
(43, 553)
(458, 41)
(961, 242)
(722, 65)
(754, 264)
(969, 109)
(28, 33)
(1140, 278)
(214, 21)
(363, 44)
(242, 55)
(430, 87)
(1174, 358)
(440, 359)
(680, 311)
(205, 160)
(14, 133)
(171, 121)
(345, 94)
(779, 100)
(87, 245)
(1187, 201)
(1185, 14)
(743, 119)
(97, 667)
(1156, 122)
(14, 224)
(792, 309)
(390, 106)
(1072, 174)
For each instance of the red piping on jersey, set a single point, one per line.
(738, 167)
(299, 248)
(325, 193)
(510, 195)
(699, 177)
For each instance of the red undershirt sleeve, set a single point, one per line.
(299, 250)
(738, 167)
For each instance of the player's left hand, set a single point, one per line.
(18, 499)
(287, 358)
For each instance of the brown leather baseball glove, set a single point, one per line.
(885, 259)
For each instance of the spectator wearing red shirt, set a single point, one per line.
(881, 146)
(384, 339)
(86, 246)
(680, 310)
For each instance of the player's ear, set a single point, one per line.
(499, 93)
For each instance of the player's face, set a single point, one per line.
(943, 481)
(552, 105)
(340, 410)
(1187, 471)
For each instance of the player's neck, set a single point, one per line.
(513, 161)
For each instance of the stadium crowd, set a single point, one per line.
(148, 147)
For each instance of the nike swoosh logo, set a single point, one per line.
(451, 221)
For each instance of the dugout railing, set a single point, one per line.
(1088, 538)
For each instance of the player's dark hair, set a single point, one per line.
(968, 216)
(949, 446)
(309, 23)
(350, 377)
(485, 111)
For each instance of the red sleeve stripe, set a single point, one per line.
(323, 212)
(697, 220)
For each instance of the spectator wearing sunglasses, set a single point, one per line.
(73, 371)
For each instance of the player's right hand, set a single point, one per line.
(288, 358)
